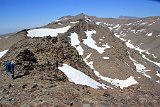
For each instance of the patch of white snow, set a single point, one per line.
(79, 77)
(140, 68)
(46, 32)
(60, 23)
(158, 73)
(121, 83)
(76, 43)
(74, 22)
(105, 57)
(126, 63)
(110, 28)
(158, 36)
(149, 34)
(116, 26)
(92, 44)
(87, 19)
(98, 23)
(158, 81)
(3, 53)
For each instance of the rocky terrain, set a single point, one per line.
(83, 61)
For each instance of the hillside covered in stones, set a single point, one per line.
(52, 61)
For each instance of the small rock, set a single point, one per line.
(10, 86)
(142, 100)
(44, 104)
(86, 105)
(1, 97)
(106, 94)
(10, 99)
(24, 86)
(5, 91)
(34, 86)
(25, 105)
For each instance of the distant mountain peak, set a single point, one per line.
(81, 14)
(128, 17)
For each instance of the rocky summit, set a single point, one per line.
(83, 61)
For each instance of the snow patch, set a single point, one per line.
(133, 31)
(143, 23)
(80, 50)
(3, 53)
(75, 42)
(151, 23)
(103, 37)
(92, 44)
(140, 68)
(149, 34)
(46, 32)
(126, 63)
(105, 57)
(74, 39)
(108, 24)
(141, 30)
(106, 46)
(158, 36)
(116, 82)
(128, 24)
(98, 23)
(130, 45)
(139, 21)
(90, 64)
(146, 74)
(118, 36)
(60, 23)
(154, 56)
(158, 73)
(156, 63)
(110, 28)
(79, 77)
(122, 83)
(158, 81)
(116, 27)
(87, 19)
(61, 19)
(74, 22)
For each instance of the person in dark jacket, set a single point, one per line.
(10, 68)
(7, 64)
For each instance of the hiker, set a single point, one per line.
(7, 64)
(10, 68)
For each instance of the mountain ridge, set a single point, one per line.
(100, 48)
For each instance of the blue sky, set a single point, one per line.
(19, 14)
